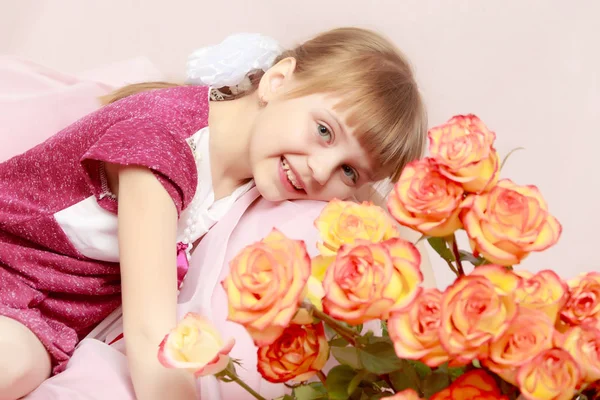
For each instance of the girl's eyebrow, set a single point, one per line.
(337, 122)
(365, 168)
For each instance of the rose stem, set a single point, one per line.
(459, 266)
(322, 378)
(452, 267)
(243, 384)
(341, 330)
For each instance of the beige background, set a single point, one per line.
(529, 69)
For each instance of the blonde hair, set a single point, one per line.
(375, 80)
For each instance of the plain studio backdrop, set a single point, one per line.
(529, 69)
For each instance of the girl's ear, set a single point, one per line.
(275, 78)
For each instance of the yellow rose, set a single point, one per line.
(297, 354)
(477, 309)
(553, 374)
(464, 148)
(369, 280)
(195, 345)
(265, 285)
(313, 294)
(344, 222)
(544, 291)
(584, 300)
(415, 332)
(507, 223)
(530, 333)
(425, 200)
(583, 343)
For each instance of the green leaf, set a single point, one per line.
(358, 328)
(371, 377)
(440, 247)
(422, 369)
(313, 391)
(384, 329)
(379, 396)
(383, 384)
(369, 395)
(452, 372)
(435, 382)
(370, 338)
(476, 261)
(375, 392)
(338, 342)
(347, 356)
(366, 338)
(379, 358)
(356, 381)
(405, 378)
(466, 256)
(456, 372)
(338, 380)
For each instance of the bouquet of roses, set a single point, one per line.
(494, 333)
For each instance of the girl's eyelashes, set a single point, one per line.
(325, 133)
(350, 173)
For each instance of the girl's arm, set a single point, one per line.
(147, 235)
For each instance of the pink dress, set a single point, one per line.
(99, 371)
(51, 280)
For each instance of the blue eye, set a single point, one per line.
(324, 132)
(349, 172)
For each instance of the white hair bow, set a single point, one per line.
(228, 63)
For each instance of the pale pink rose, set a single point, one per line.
(195, 345)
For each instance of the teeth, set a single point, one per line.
(290, 174)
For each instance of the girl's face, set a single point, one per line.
(301, 148)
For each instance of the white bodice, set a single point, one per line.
(92, 230)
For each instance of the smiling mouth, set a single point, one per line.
(290, 175)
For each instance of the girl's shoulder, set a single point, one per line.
(168, 105)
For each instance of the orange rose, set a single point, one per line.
(344, 222)
(477, 309)
(195, 345)
(265, 285)
(369, 280)
(408, 394)
(509, 222)
(583, 343)
(529, 334)
(425, 200)
(464, 148)
(415, 332)
(544, 291)
(553, 374)
(584, 300)
(478, 379)
(297, 354)
(473, 385)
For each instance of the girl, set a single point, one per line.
(329, 117)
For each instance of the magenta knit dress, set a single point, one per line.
(57, 289)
